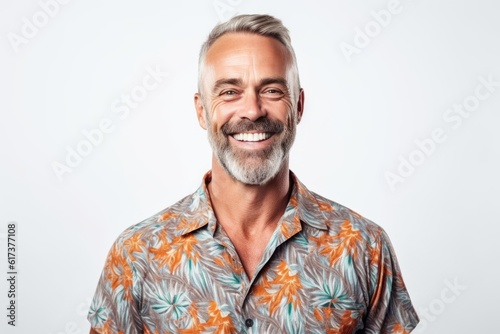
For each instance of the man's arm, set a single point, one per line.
(114, 304)
(390, 309)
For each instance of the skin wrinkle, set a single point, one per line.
(291, 75)
(221, 83)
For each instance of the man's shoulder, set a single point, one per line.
(340, 220)
(165, 223)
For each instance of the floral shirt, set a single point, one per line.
(326, 269)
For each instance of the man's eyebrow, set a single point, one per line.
(228, 81)
(274, 80)
(239, 82)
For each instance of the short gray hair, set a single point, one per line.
(264, 25)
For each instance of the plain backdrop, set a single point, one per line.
(378, 88)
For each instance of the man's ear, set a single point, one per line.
(200, 110)
(300, 105)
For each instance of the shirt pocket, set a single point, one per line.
(334, 321)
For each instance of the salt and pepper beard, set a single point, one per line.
(239, 163)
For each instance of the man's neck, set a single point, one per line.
(248, 210)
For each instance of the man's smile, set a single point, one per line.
(252, 137)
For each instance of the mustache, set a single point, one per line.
(245, 125)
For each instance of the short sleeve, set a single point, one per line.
(116, 307)
(390, 309)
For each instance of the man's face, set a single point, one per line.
(247, 107)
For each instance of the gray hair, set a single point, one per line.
(264, 25)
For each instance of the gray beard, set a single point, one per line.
(253, 168)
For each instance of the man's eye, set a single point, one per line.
(228, 92)
(273, 91)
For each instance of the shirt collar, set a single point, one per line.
(308, 206)
(303, 206)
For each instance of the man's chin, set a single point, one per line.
(252, 171)
(252, 178)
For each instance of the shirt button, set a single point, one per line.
(249, 322)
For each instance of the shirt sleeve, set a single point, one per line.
(116, 306)
(390, 309)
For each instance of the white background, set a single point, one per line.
(362, 116)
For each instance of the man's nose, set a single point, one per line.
(252, 108)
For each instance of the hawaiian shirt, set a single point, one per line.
(326, 269)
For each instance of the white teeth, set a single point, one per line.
(251, 136)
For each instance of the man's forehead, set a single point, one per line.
(239, 55)
(241, 44)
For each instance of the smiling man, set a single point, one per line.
(252, 250)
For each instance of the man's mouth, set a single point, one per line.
(252, 137)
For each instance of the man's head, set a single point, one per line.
(249, 97)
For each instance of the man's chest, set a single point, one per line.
(204, 288)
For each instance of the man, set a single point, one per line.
(252, 250)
